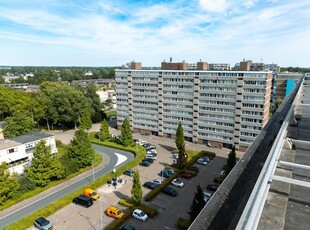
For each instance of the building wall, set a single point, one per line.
(224, 108)
(281, 82)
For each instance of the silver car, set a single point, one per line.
(43, 224)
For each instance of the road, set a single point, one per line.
(68, 187)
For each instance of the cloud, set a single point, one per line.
(249, 3)
(214, 5)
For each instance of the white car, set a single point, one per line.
(178, 183)
(152, 151)
(140, 215)
(207, 196)
(202, 161)
(149, 156)
(158, 181)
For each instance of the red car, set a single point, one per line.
(186, 175)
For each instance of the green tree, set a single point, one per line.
(180, 143)
(80, 149)
(136, 190)
(197, 204)
(231, 161)
(126, 133)
(8, 183)
(85, 121)
(90, 93)
(44, 166)
(104, 133)
(2, 81)
(17, 125)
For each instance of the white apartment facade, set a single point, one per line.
(221, 108)
(17, 152)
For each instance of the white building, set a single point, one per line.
(17, 151)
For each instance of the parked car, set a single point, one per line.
(126, 227)
(150, 156)
(145, 163)
(158, 181)
(223, 173)
(206, 158)
(150, 185)
(85, 201)
(207, 196)
(153, 151)
(186, 175)
(202, 161)
(170, 191)
(166, 173)
(91, 193)
(212, 187)
(177, 182)
(149, 160)
(43, 224)
(114, 212)
(128, 172)
(140, 215)
(193, 168)
(149, 146)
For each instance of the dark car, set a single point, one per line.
(149, 160)
(166, 173)
(193, 168)
(212, 187)
(126, 227)
(186, 175)
(85, 201)
(128, 172)
(150, 185)
(170, 191)
(145, 163)
(43, 224)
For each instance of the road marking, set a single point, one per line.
(120, 159)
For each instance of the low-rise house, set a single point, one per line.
(18, 151)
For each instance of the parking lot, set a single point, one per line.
(78, 217)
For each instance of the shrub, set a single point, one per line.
(175, 151)
(26, 185)
(125, 202)
(183, 223)
(218, 179)
(59, 144)
(151, 212)
(207, 153)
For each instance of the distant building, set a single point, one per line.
(18, 151)
(221, 108)
(219, 66)
(285, 82)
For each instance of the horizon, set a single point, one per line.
(105, 33)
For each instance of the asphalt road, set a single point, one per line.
(68, 188)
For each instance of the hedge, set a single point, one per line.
(183, 223)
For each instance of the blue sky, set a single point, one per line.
(114, 32)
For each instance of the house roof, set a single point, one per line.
(34, 136)
(6, 143)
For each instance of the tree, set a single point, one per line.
(80, 149)
(126, 133)
(104, 131)
(85, 121)
(17, 125)
(136, 190)
(231, 161)
(8, 183)
(180, 143)
(90, 93)
(197, 204)
(44, 166)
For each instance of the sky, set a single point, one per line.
(115, 32)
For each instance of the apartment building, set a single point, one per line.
(219, 108)
(285, 82)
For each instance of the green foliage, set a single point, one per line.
(207, 153)
(17, 125)
(125, 203)
(183, 223)
(104, 131)
(126, 133)
(8, 183)
(85, 120)
(80, 150)
(26, 184)
(2, 81)
(90, 93)
(218, 179)
(136, 191)
(44, 167)
(197, 204)
(151, 212)
(231, 160)
(180, 140)
(182, 159)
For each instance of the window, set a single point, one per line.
(11, 150)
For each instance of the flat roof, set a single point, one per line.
(34, 136)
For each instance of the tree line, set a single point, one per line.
(41, 74)
(54, 103)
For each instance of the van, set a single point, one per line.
(91, 193)
(85, 201)
(114, 212)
